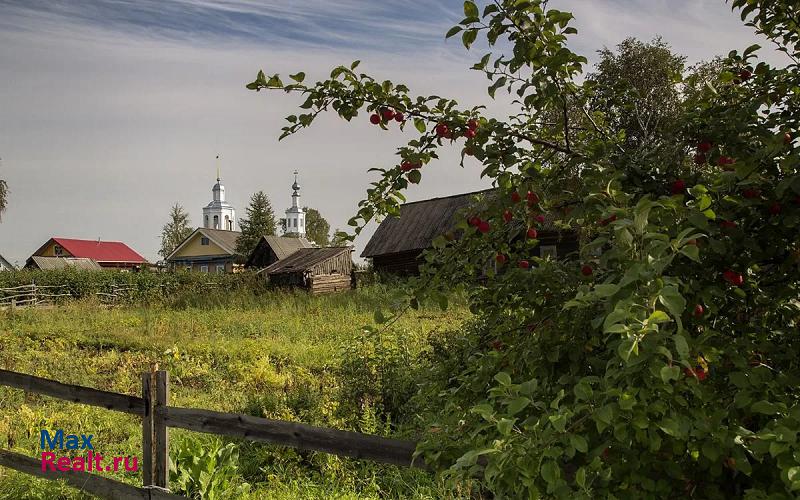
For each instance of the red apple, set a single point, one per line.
(701, 374)
(787, 138)
(678, 187)
(704, 146)
(387, 114)
(775, 208)
(399, 117)
(733, 278)
(532, 197)
(515, 197)
(472, 124)
(692, 242)
(524, 264)
(745, 75)
(700, 159)
(470, 133)
(474, 221)
(539, 218)
(725, 160)
(751, 193)
(532, 233)
(507, 216)
(484, 227)
(586, 270)
(442, 130)
(374, 118)
(698, 310)
(500, 258)
(727, 224)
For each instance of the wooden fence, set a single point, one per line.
(157, 416)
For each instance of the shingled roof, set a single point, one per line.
(418, 224)
(51, 263)
(98, 251)
(305, 258)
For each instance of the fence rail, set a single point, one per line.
(158, 416)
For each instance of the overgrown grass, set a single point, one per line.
(273, 354)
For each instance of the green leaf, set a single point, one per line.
(580, 477)
(298, 77)
(505, 426)
(604, 291)
(452, 31)
(669, 373)
(517, 404)
(470, 9)
(503, 378)
(670, 427)
(671, 298)
(419, 124)
(764, 407)
(414, 176)
(468, 37)
(658, 316)
(681, 346)
(550, 472)
(579, 443)
(692, 252)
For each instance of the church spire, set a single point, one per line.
(295, 216)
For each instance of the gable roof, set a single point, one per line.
(49, 263)
(281, 245)
(226, 240)
(100, 251)
(305, 258)
(418, 224)
(4, 264)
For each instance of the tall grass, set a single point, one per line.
(272, 353)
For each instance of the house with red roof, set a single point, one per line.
(108, 254)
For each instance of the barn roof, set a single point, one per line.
(422, 221)
(100, 251)
(50, 263)
(284, 246)
(305, 258)
(418, 224)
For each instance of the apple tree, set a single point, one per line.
(664, 359)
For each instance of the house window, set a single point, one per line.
(294, 222)
(204, 241)
(220, 268)
(206, 224)
(203, 269)
(58, 251)
(548, 251)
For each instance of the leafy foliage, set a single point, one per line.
(175, 231)
(260, 222)
(661, 361)
(317, 228)
(3, 197)
(207, 469)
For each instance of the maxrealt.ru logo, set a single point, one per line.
(90, 462)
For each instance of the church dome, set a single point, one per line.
(296, 186)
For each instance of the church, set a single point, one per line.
(212, 248)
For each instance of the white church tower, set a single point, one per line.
(219, 214)
(295, 216)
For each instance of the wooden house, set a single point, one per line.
(5, 265)
(398, 243)
(318, 270)
(52, 263)
(107, 254)
(207, 250)
(271, 249)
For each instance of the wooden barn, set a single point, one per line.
(398, 243)
(318, 270)
(271, 249)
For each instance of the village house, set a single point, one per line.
(107, 254)
(271, 249)
(207, 251)
(398, 243)
(318, 270)
(5, 265)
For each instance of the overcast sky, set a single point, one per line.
(113, 110)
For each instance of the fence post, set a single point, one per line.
(160, 434)
(147, 429)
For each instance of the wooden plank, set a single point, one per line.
(97, 485)
(160, 432)
(74, 393)
(147, 430)
(295, 435)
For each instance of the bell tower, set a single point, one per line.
(219, 214)
(295, 216)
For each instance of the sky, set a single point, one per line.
(111, 111)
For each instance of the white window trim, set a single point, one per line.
(220, 268)
(204, 268)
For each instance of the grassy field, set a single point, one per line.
(279, 355)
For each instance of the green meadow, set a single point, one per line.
(280, 355)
